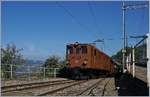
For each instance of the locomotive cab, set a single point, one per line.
(85, 60)
(77, 55)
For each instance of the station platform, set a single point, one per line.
(129, 86)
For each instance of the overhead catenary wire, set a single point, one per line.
(94, 16)
(136, 6)
(141, 20)
(141, 17)
(97, 26)
(91, 10)
(73, 17)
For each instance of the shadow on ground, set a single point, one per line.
(129, 86)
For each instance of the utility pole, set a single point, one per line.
(124, 35)
(125, 41)
(148, 62)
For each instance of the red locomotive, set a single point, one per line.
(86, 61)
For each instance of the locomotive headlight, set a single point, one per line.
(85, 62)
(67, 62)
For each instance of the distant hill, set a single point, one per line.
(33, 62)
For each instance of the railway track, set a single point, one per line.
(70, 90)
(62, 88)
(19, 87)
(104, 88)
(89, 90)
(90, 87)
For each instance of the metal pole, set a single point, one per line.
(29, 73)
(11, 71)
(125, 43)
(129, 62)
(44, 72)
(133, 63)
(148, 56)
(55, 72)
(124, 36)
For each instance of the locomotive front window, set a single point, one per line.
(84, 49)
(78, 50)
(69, 50)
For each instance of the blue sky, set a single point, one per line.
(44, 28)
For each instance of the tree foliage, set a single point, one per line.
(140, 54)
(54, 62)
(62, 63)
(118, 56)
(10, 55)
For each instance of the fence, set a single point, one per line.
(27, 72)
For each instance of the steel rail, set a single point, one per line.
(62, 88)
(32, 83)
(37, 85)
(105, 88)
(91, 87)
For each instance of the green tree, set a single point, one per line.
(10, 55)
(52, 62)
(118, 56)
(62, 63)
(140, 55)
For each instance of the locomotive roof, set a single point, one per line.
(90, 44)
(102, 52)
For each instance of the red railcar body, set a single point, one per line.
(87, 56)
(85, 61)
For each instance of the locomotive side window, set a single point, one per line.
(94, 55)
(84, 49)
(69, 50)
(95, 52)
